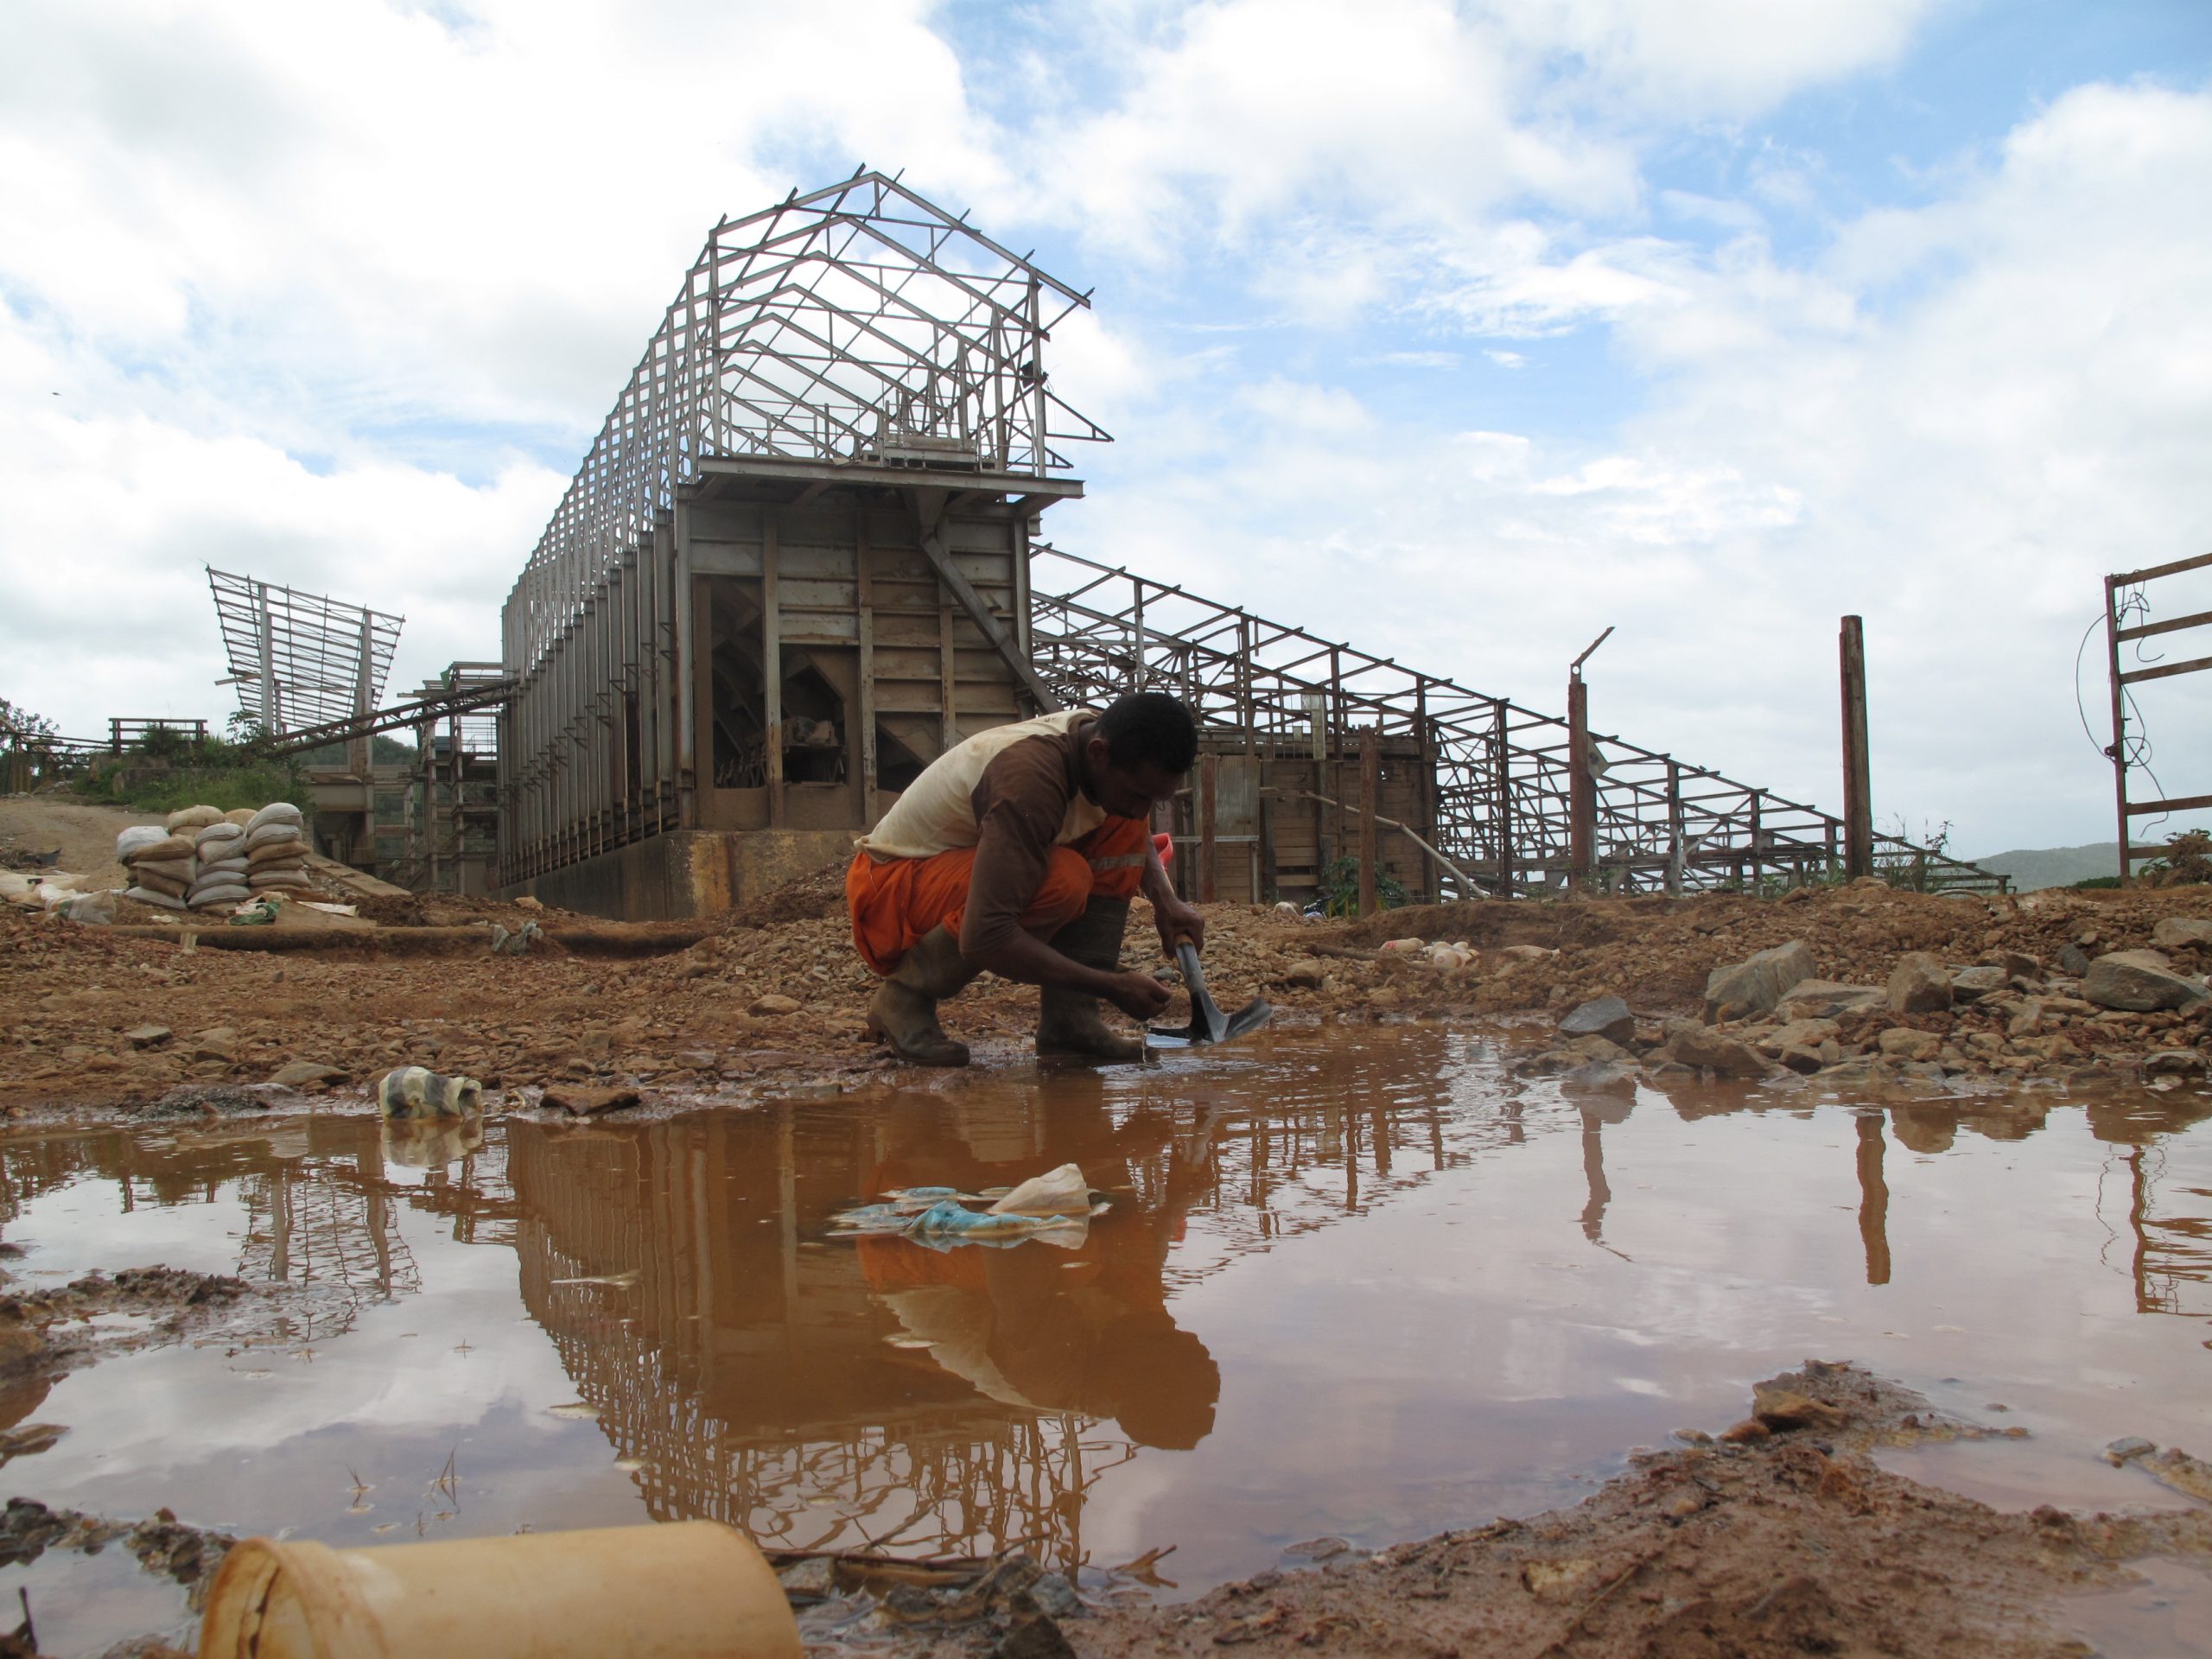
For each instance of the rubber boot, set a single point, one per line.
(904, 1013)
(1069, 1025)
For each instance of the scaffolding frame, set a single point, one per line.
(1501, 773)
(856, 323)
(2123, 597)
(299, 659)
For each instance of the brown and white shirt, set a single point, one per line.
(1013, 793)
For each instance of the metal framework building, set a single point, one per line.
(801, 560)
(1485, 781)
(300, 659)
(793, 566)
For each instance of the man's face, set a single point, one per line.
(1128, 792)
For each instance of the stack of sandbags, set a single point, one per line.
(276, 848)
(160, 860)
(220, 850)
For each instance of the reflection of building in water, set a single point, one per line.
(2168, 1244)
(320, 1202)
(325, 1219)
(827, 1393)
(331, 1238)
(748, 1363)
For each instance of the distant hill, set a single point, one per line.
(2054, 867)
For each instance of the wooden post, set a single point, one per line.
(771, 670)
(1501, 760)
(1371, 791)
(1209, 804)
(864, 629)
(2119, 750)
(1676, 852)
(1581, 785)
(1858, 800)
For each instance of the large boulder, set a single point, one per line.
(1756, 985)
(2140, 981)
(1971, 984)
(1704, 1049)
(1604, 1016)
(2180, 932)
(1825, 999)
(1919, 984)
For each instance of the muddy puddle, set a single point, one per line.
(1357, 1285)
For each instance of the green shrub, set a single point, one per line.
(254, 784)
(1340, 889)
(2091, 883)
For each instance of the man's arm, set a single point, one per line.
(1175, 919)
(1022, 955)
(1012, 855)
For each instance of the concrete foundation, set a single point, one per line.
(684, 874)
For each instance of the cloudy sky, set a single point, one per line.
(1455, 331)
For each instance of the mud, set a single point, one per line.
(710, 1021)
(1789, 1542)
(1362, 1284)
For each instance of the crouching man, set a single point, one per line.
(1019, 851)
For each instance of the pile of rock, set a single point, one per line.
(2126, 1013)
(202, 858)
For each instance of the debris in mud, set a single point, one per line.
(203, 1100)
(46, 1331)
(781, 973)
(1006, 1606)
(160, 1543)
(1792, 1541)
(588, 1103)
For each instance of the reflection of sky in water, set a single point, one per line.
(1364, 1285)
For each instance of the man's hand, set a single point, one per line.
(1177, 920)
(1138, 996)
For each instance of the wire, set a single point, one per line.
(2134, 746)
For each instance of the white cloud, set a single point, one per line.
(1953, 422)
(320, 288)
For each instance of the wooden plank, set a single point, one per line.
(864, 631)
(2157, 571)
(2194, 619)
(2167, 671)
(2178, 803)
(771, 673)
(979, 614)
(948, 677)
(1370, 781)
(1209, 805)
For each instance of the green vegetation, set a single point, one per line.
(15, 722)
(2093, 883)
(1340, 889)
(225, 774)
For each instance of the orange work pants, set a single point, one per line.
(894, 903)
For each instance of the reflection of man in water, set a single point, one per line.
(1085, 1331)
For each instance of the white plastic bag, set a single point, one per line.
(1061, 1192)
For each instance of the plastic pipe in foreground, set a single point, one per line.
(687, 1590)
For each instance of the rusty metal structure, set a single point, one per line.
(1490, 783)
(2128, 621)
(792, 568)
(298, 658)
(803, 559)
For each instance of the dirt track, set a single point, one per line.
(683, 1017)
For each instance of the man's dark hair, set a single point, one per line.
(1150, 728)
